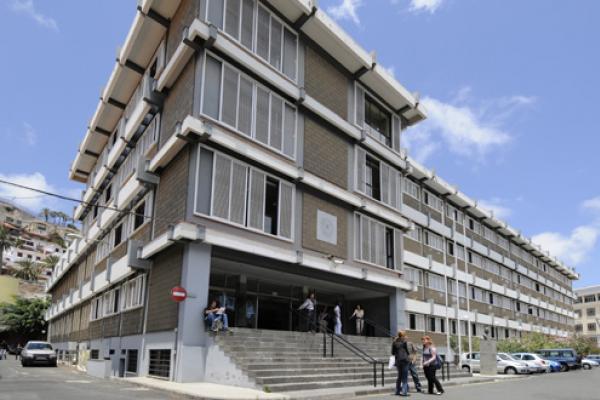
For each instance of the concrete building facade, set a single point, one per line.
(250, 152)
(587, 312)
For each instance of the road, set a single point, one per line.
(47, 383)
(574, 385)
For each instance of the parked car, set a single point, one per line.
(588, 363)
(595, 357)
(554, 366)
(534, 362)
(566, 357)
(38, 353)
(505, 364)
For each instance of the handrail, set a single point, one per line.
(348, 345)
(378, 327)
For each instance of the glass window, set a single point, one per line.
(139, 215)
(378, 119)
(271, 206)
(373, 178)
(212, 88)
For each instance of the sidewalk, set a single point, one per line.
(206, 391)
(211, 391)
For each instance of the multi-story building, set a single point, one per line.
(587, 312)
(250, 151)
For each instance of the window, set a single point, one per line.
(411, 188)
(415, 234)
(591, 327)
(460, 252)
(474, 226)
(372, 179)
(133, 293)
(160, 361)
(94, 354)
(243, 195)
(578, 328)
(433, 240)
(590, 312)
(96, 311)
(379, 120)
(416, 322)
(111, 302)
(412, 322)
(475, 259)
(132, 361)
(433, 201)
(489, 234)
(454, 214)
(590, 298)
(413, 275)
(377, 243)
(118, 233)
(107, 194)
(435, 282)
(376, 179)
(275, 42)
(234, 99)
(431, 324)
(450, 248)
(139, 215)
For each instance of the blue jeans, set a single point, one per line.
(402, 380)
(412, 369)
(212, 318)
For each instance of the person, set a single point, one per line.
(412, 366)
(430, 367)
(250, 313)
(2, 354)
(215, 313)
(337, 311)
(401, 355)
(18, 351)
(309, 305)
(359, 314)
(323, 320)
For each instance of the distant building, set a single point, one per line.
(587, 312)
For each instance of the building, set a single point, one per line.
(251, 152)
(587, 312)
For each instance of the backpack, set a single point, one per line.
(402, 352)
(438, 362)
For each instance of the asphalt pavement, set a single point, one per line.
(572, 385)
(61, 383)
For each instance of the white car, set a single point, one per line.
(589, 363)
(38, 353)
(505, 364)
(534, 362)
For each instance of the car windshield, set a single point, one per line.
(39, 346)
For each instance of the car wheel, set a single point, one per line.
(466, 368)
(564, 368)
(587, 366)
(23, 364)
(510, 371)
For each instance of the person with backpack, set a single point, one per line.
(431, 363)
(402, 360)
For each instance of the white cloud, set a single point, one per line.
(463, 127)
(27, 7)
(347, 9)
(29, 134)
(592, 204)
(26, 198)
(573, 248)
(495, 206)
(430, 6)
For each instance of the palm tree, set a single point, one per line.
(6, 242)
(51, 261)
(28, 270)
(45, 213)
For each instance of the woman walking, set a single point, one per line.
(337, 311)
(359, 314)
(401, 354)
(430, 367)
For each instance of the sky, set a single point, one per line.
(510, 88)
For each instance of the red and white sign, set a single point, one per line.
(178, 294)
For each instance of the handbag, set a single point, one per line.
(392, 362)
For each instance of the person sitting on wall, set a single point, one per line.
(215, 313)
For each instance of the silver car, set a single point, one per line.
(38, 353)
(505, 364)
(534, 362)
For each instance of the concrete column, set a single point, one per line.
(191, 337)
(397, 311)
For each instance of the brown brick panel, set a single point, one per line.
(325, 82)
(179, 103)
(142, 234)
(101, 266)
(96, 329)
(110, 326)
(450, 260)
(481, 308)
(412, 245)
(165, 274)
(311, 204)
(325, 153)
(436, 255)
(436, 215)
(171, 193)
(119, 251)
(460, 228)
(461, 265)
(411, 202)
(437, 297)
(132, 322)
(184, 16)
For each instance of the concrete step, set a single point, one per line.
(322, 384)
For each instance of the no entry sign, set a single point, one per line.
(178, 294)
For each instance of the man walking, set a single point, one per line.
(412, 366)
(310, 305)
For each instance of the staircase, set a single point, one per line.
(281, 361)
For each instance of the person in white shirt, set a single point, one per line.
(310, 305)
(337, 311)
(359, 314)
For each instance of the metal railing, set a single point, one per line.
(332, 338)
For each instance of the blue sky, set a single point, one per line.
(510, 86)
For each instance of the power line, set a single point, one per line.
(72, 199)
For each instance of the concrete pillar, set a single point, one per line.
(397, 311)
(191, 337)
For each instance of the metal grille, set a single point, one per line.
(276, 122)
(132, 361)
(160, 363)
(285, 210)
(221, 187)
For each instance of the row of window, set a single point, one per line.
(248, 107)
(420, 322)
(126, 297)
(591, 327)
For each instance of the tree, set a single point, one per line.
(56, 238)
(6, 242)
(45, 213)
(51, 261)
(25, 317)
(28, 270)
